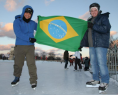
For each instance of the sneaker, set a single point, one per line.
(33, 85)
(93, 83)
(103, 87)
(15, 81)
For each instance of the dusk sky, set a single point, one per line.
(74, 8)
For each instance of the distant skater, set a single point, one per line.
(77, 60)
(66, 58)
(71, 61)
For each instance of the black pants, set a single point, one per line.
(86, 66)
(66, 63)
(77, 62)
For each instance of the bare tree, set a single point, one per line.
(51, 56)
(113, 42)
(43, 55)
(58, 58)
(36, 54)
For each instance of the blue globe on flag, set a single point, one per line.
(57, 29)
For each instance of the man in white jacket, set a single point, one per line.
(77, 60)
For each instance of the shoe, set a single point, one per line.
(103, 87)
(15, 81)
(33, 85)
(93, 83)
(66, 68)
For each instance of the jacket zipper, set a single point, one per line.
(28, 32)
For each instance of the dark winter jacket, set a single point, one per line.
(23, 30)
(66, 55)
(100, 32)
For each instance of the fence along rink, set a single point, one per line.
(112, 62)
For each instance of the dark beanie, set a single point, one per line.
(94, 5)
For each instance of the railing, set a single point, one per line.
(112, 62)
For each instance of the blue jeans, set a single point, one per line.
(98, 60)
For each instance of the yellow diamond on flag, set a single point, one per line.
(58, 29)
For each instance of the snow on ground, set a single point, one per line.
(53, 79)
(115, 77)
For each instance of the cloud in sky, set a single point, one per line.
(58, 52)
(6, 47)
(47, 2)
(55, 50)
(7, 30)
(112, 33)
(39, 50)
(85, 16)
(12, 5)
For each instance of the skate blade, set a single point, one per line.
(34, 88)
(101, 91)
(93, 85)
(15, 84)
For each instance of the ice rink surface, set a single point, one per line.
(53, 79)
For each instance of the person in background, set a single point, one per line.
(81, 58)
(71, 61)
(97, 39)
(86, 62)
(66, 58)
(24, 47)
(77, 60)
(3, 56)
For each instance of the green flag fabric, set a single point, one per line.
(62, 32)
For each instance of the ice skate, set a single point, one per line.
(15, 81)
(33, 86)
(102, 88)
(93, 83)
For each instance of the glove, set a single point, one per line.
(90, 25)
(32, 40)
(71, 55)
(80, 48)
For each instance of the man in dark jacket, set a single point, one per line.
(24, 47)
(97, 39)
(66, 58)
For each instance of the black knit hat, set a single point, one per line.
(29, 10)
(94, 5)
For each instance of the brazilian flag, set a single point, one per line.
(61, 32)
